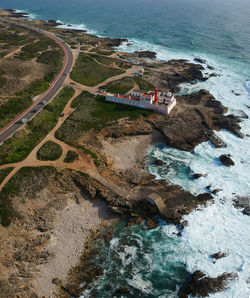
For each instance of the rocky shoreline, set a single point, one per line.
(193, 121)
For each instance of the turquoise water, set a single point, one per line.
(156, 263)
(148, 263)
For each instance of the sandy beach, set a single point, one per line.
(73, 225)
(129, 152)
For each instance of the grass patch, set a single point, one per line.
(53, 58)
(11, 39)
(20, 145)
(111, 61)
(2, 80)
(71, 156)
(4, 173)
(28, 180)
(90, 73)
(49, 151)
(120, 86)
(103, 52)
(143, 85)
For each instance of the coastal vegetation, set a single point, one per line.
(29, 179)
(4, 173)
(71, 156)
(90, 73)
(143, 85)
(120, 86)
(20, 145)
(49, 151)
(21, 78)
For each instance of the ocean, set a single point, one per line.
(156, 263)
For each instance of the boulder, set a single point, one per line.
(122, 290)
(158, 162)
(199, 60)
(243, 202)
(219, 255)
(201, 285)
(226, 160)
(146, 54)
(197, 176)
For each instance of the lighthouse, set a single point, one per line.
(156, 95)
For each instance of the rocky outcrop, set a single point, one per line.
(218, 255)
(194, 122)
(197, 175)
(226, 160)
(146, 54)
(158, 162)
(243, 202)
(199, 60)
(201, 285)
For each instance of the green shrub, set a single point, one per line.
(49, 151)
(27, 180)
(120, 86)
(71, 156)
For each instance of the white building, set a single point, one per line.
(156, 101)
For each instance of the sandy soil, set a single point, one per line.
(126, 153)
(72, 227)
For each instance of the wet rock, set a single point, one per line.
(152, 224)
(122, 290)
(246, 211)
(215, 191)
(210, 67)
(146, 54)
(158, 162)
(204, 197)
(199, 60)
(243, 202)
(237, 93)
(219, 255)
(226, 160)
(201, 285)
(197, 176)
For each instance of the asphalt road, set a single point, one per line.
(44, 98)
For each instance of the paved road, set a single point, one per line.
(44, 98)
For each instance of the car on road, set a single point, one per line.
(42, 102)
(23, 120)
(34, 111)
(62, 115)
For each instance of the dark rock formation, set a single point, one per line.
(122, 290)
(197, 176)
(158, 162)
(201, 285)
(146, 54)
(219, 255)
(199, 60)
(243, 202)
(210, 67)
(226, 160)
